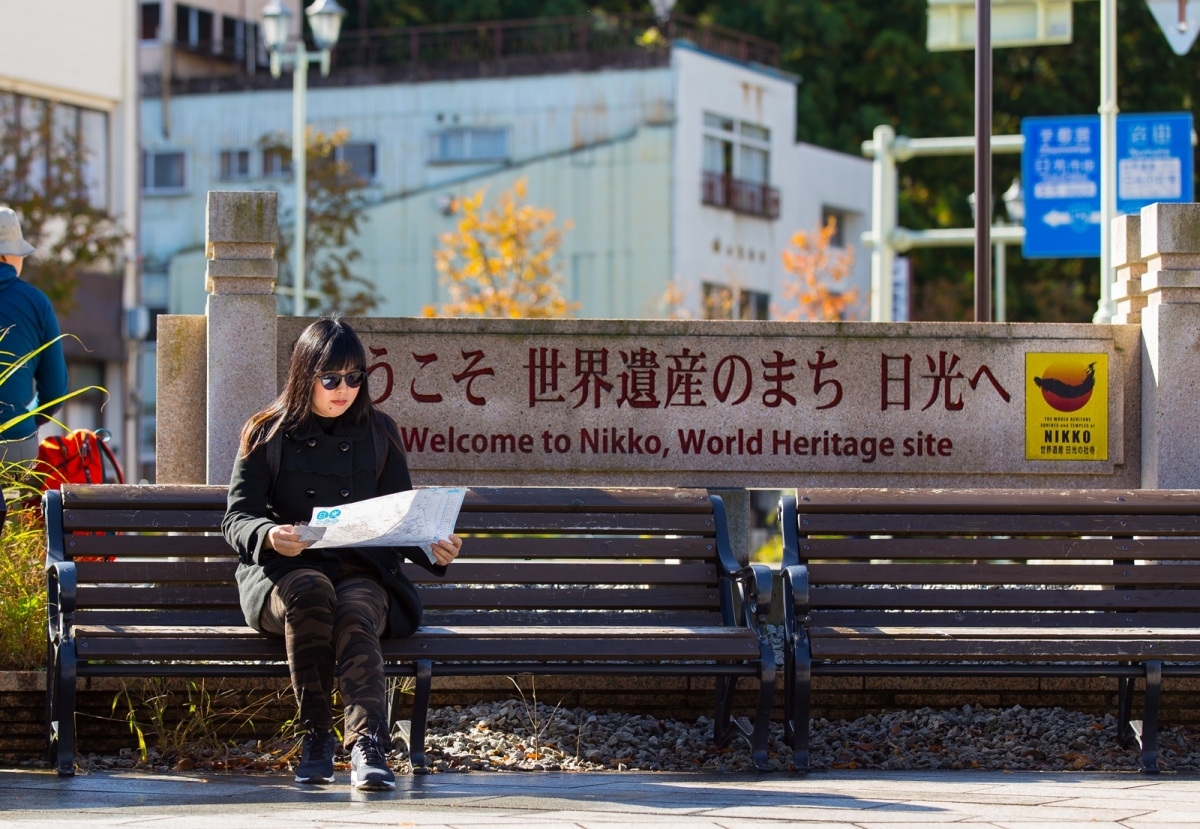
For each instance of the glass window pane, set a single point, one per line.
(151, 20)
(489, 144)
(754, 165)
(756, 132)
(718, 156)
(718, 122)
(360, 158)
(168, 171)
(93, 137)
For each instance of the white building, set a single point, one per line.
(679, 166)
(75, 63)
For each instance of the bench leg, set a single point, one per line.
(1125, 735)
(420, 713)
(723, 730)
(797, 699)
(1150, 716)
(51, 691)
(761, 738)
(64, 709)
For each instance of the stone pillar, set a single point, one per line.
(241, 231)
(1130, 266)
(1170, 237)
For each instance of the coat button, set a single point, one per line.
(310, 443)
(345, 493)
(392, 570)
(345, 447)
(310, 493)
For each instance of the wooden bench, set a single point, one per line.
(551, 581)
(1033, 583)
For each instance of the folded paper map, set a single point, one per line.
(416, 518)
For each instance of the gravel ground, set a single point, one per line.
(517, 735)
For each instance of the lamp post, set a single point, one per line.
(325, 20)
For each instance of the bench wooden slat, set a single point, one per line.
(577, 644)
(606, 548)
(968, 574)
(1068, 549)
(1001, 599)
(1022, 501)
(452, 596)
(145, 520)
(468, 522)
(479, 499)
(1030, 619)
(176, 617)
(580, 522)
(471, 572)
(1063, 525)
(465, 570)
(128, 545)
(562, 598)
(1045, 633)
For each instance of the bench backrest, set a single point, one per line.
(1076, 558)
(624, 556)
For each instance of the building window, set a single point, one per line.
(723, 302)
(235, 165)
(233, 37)
(62, 149)
(468, 145)
(277, 162)
(151, 20)
(737, 167)
(838, 239)
(164, 171)
(359, 157)
(754, 305)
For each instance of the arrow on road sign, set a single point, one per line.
(1057, 218)
(1179, 21)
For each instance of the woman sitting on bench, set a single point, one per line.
(322, 443)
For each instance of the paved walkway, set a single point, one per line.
(883, 800)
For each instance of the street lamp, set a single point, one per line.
(325, 20)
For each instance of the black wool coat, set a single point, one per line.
(318, 470)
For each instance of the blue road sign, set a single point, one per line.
(1154, 160)
(1060, 166)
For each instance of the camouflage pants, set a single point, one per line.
(325, 624)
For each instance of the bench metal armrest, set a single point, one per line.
(755, 582)
(795, 590)
(789, 529)
(60, 599)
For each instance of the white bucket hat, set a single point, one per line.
(12, 243)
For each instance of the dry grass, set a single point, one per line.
(22, 587)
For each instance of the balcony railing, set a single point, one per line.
(489, 49)
(748, 197)
(487, 42)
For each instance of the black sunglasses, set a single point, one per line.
(332, 380)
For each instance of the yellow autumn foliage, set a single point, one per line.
(498, 262)
(817, 270)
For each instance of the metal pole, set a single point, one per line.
(1000, 277)
(1108, 154)
(983, 160)
(883, 222)
(299, 170)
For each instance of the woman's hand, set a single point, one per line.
(446, 551)
(284, 540)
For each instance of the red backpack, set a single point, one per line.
(74, 458)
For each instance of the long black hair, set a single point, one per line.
(328, 345)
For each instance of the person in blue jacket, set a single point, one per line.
(27, 322)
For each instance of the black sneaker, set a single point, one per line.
(316, 757)
(368, 767)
